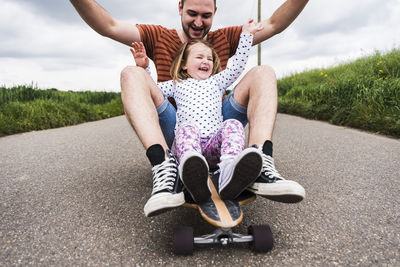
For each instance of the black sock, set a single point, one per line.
(267, 148)
(156, 154)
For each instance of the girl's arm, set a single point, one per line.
(141, 59)
(167, 88)
(237, 62)
(139, 54)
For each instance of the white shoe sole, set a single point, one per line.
(163, 202)
(285, 191)
(248, 167)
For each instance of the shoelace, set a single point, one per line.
(164, 175)
(268, 168)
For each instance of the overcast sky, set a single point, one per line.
(46, 43)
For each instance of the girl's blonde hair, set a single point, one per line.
(179, 74)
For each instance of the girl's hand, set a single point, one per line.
(139, 54)
(252, 27)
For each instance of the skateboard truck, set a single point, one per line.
(259, 237)
(223, 236)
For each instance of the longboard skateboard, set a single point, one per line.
(224, 215)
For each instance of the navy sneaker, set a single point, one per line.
(167, 188)
(271, 185)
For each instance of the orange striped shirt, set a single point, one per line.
(162, 44)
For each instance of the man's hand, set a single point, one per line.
(139, 54)
(280, 19)
(252, 27)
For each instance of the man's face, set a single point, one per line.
(197, 17)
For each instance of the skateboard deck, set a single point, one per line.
(218, 212)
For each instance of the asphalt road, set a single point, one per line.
(75, 196)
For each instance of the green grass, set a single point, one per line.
(363, 94)
(24, 108)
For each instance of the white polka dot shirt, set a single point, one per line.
(200, 101)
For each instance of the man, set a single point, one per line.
(253, 100)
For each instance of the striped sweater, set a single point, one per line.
(162, 44)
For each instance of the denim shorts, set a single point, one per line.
(167, 116)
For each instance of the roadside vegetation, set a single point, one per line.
(363, 94)
(25, 108)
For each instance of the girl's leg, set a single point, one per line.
(229, 140)
(238, 168)
(193, 168)
(232, 138)
(187, 139)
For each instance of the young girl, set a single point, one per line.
(201, 136)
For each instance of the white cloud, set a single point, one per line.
(53, 54)
(46, 42)
(331, 32)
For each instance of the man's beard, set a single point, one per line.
(187, 32)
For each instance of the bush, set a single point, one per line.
(25, 108)
(364, 94)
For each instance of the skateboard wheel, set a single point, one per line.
(262, 238)
(183, 241)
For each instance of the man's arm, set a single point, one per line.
(102, 22)
(280, 19)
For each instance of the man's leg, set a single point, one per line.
(141, 97)
(258, 92)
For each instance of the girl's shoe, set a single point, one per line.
(237, 173)
(193, 170)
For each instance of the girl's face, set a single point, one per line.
(199, 63)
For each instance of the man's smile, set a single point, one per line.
(197, 30)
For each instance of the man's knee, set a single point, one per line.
(262, 72)
(257, 80)
(132, 74)
(263, 80)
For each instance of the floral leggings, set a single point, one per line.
(228, 140)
